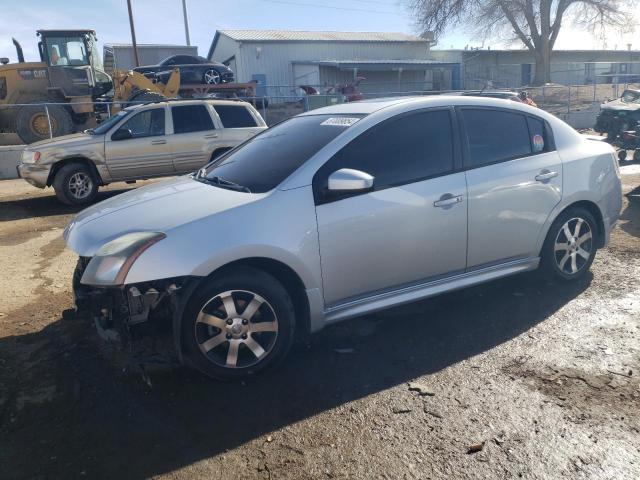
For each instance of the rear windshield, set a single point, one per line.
(263, 162)
(631, 96)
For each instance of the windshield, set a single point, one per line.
(67, 51)
(631, 96)
(263, 162)
(105, 126)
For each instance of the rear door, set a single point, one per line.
(238, 122)
(194, 136)
(514, 179)
(144, 155)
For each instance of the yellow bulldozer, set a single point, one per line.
(58, 95)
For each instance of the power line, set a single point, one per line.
(302, 4)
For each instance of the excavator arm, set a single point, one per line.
(127, 84)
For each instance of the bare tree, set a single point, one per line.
(535, 23)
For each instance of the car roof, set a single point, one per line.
(367, 107)
(190, 101)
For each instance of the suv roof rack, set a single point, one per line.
(190, 99)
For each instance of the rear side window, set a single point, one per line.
(191, 118)
(495, 135)
(399, 151)
(235, 116)
(540, 141)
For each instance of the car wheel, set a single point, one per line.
(622, 155)
(211, 77)
(238, 324)
(570, 246)
(75, 184)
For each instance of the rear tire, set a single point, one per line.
(32, 124)
(622, 155)
(571, 245)
(75, 184)
(237, 324)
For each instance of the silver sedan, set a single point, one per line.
(341, 212)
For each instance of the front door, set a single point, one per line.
(146, 154)
(413, 225)
(514, 179)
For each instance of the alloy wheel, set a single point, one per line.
(236, 329)
(211, 77)
(80, 185)
(573, 246)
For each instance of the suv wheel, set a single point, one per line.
(75, 184)
(570, 246)
(238, 324)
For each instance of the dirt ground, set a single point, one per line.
(543, 379)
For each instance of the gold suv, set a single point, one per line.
(140, 142)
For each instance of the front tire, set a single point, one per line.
(571, 245)
(211, 77)
(32, 124)
(75, 184)
(238, 324)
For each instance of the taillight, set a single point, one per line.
(36, 157)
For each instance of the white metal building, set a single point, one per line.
(281, 60)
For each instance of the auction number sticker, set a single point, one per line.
(340, 121)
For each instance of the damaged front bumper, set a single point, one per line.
(143, 318)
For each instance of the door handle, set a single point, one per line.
(158, 142)
(546, 175)
(447, 199)
(211, 135)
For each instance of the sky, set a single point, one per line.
(160, 21)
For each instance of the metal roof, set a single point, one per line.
(317, 36)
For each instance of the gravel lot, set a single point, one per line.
(543, 379)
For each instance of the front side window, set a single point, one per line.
(148, 123)
(191, 118)
(495, 135)
(267, 159)
(402, 150)
(235, 116)
(65, 51)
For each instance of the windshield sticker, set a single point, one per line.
(340, 121)
(538, 143)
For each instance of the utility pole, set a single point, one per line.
(133, 35)
(186, 21)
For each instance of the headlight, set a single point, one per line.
(113, 261)
(29, 156)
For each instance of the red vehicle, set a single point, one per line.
(349, 90)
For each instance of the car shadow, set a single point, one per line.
(45, 206)
(103, 422)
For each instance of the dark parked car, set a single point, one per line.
(193, 69)
(619, 116)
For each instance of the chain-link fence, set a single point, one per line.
(576, 104)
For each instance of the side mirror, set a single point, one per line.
(349, 180)
(122, 134)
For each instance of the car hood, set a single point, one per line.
(619, 105)
(75, 139)
(159, 207)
